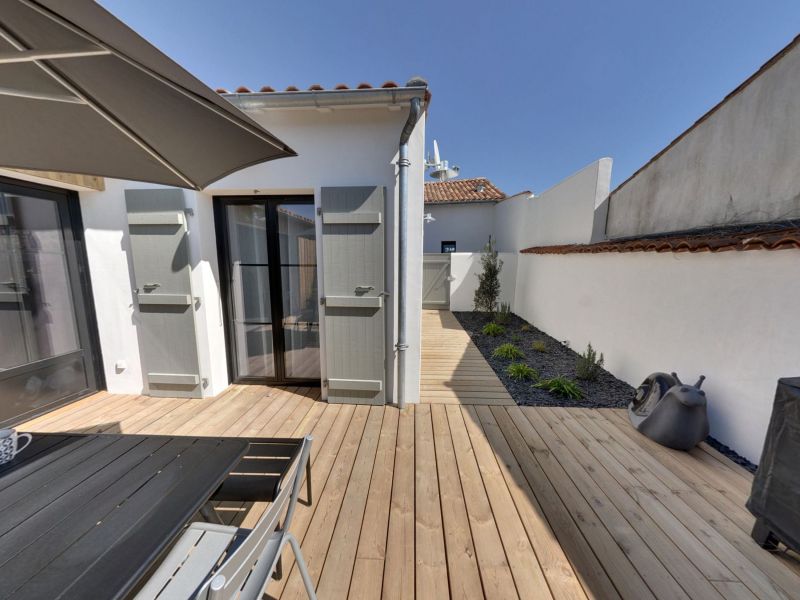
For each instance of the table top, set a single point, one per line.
(86, 516)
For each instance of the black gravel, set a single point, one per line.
(738, 459)
(606, 392)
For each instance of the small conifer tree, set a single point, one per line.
(488, 291)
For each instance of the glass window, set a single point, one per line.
(298, 248)
(37, 317)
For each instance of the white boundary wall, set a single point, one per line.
(563, 214)
(731, 316)
(464, 268)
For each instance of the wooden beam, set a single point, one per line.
(85, 181)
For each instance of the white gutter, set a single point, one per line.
(322, 99)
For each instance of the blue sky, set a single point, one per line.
(524, 93)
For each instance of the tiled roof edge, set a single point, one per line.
(771, 236)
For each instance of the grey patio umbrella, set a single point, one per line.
(80, 92)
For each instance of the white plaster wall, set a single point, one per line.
(731, 316)
(111, 270)
(563, 214)
(468, 224)
(108, 253)
(349, 147)
(739, 165)
(464, 268)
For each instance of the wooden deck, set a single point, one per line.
(453, 369)
(497, 501)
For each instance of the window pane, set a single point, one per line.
(297, 234)
(254, 350)
(251, 294)
(301, 321)
(37, 318)
(247, 228)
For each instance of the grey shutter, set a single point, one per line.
(436, 281)
(162, 273)
(354, 281)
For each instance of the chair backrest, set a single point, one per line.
(248, 563)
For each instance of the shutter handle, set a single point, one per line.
(151, 286)
(363, 289)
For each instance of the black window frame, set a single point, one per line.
(72, 231)
(276, 291)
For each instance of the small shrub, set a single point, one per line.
(488, 290)
(493, 329)
(508, 351)
(521, 372)
(525, 327)
(588, 365)
(503, 315)
(539, 346)
(561, 386)
(516, 338)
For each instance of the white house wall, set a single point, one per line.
(739, 165)
(468, 224)
(349, 147)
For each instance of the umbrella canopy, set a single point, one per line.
(80, 92)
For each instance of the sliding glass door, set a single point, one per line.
(268, 264)
(47, 353)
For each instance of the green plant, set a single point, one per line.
(516, 338)
(503, 315)
(561, 386)
(521, 372)
(525, 327)
(508, 351)
(488, 291)
(539, 346)
(493, 329)
(588, 365)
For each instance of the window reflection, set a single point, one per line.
(37, 318)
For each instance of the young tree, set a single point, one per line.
(488, 291)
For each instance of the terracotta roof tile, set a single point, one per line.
(243, 89)
(476, 189)
(765, 236)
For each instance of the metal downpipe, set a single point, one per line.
(402, 251)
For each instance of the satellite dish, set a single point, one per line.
(440, 169)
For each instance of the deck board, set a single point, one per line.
(470, 496)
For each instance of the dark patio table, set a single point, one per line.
(86, 516)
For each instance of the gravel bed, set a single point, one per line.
(558, 359)
(606, 392)
(732, 454)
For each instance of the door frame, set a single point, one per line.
(276, 295)
(72, 233)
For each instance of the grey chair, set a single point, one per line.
(221, 562)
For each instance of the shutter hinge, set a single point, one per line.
(322, 301)
(319, 211)
(324, 383)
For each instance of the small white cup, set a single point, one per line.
(10, 444)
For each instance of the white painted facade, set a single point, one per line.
(354, 146)
(739, 164)
(468, 224)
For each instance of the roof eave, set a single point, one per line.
(321, 99)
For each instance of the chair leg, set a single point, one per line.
(278, 574)
(301, 566)
(210, 515)
(308, 481)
